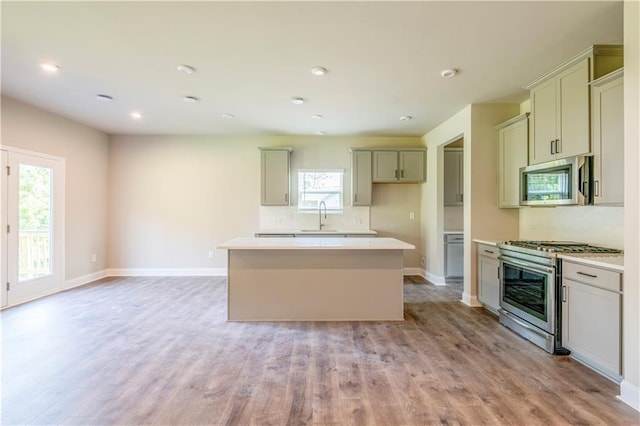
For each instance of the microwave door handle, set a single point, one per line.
(538, 268)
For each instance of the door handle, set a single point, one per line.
(564, 293)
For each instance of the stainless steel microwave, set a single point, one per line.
(557, 183)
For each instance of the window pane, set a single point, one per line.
(34, 222)
(317, 186)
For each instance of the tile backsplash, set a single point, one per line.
(288, 218)
(597, 225)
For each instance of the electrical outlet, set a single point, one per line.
(412, 215)
(210, 254)
(94, 258)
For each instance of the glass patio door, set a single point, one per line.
(34, 226)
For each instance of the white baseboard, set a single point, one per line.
(167, 272)
(630, 394)
(85, 279)
(414, 271)
(434, 279)
(471, 301)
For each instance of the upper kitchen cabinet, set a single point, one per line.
(607, 131)
(560, 110)
(513, 140)
(274, 173)
(453, 176)
(361, 178)
(404, 165)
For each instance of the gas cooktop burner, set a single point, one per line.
(561, 247)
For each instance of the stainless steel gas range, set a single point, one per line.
(530, 288)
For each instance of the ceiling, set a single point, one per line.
(384, 61)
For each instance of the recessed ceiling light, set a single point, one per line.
(297, 100)
(406, 118)
(321, 132)
(136, 115)
(191, 99)
(317, 117)
(227, 116)
(105, 98)
(449, 73)
(318, 71)
(49, 67)
(186, 69)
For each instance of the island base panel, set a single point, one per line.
(315, 285)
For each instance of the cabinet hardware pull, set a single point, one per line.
(596, 184)
(286, 198)
(558, 146)
(587, 275)
(401, 173)
(356, 198)
(488, 251)
(551, 145)
(564, 293)
(498, 273)
(396, 174)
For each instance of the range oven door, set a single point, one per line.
(528, 292)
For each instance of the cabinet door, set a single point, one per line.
(453, 180)
(412, 164)
(275, 177)
(591, 324)
(489, 284)
(573, 119)
(385, 166)
(608, 142)
(361, 178)
(512, 155)
(543, 122)
(454, 260)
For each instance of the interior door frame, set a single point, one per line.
(59, 220)
(3, 228)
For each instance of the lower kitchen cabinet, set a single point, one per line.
(454, 255)
(591, 316)
(488, 276)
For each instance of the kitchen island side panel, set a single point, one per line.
(315, 285)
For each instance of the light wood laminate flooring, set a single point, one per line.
(158, 351)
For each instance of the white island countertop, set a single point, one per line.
(297, 243)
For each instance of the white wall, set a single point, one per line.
(630, 387)
(86, 153)
(482, 218)
(175, 198)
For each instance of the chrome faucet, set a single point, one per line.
(320, 214)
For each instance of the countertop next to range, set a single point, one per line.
(487, 242)
(613, 262)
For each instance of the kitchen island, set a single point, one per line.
(315, 279)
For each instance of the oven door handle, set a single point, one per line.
(527, 265)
